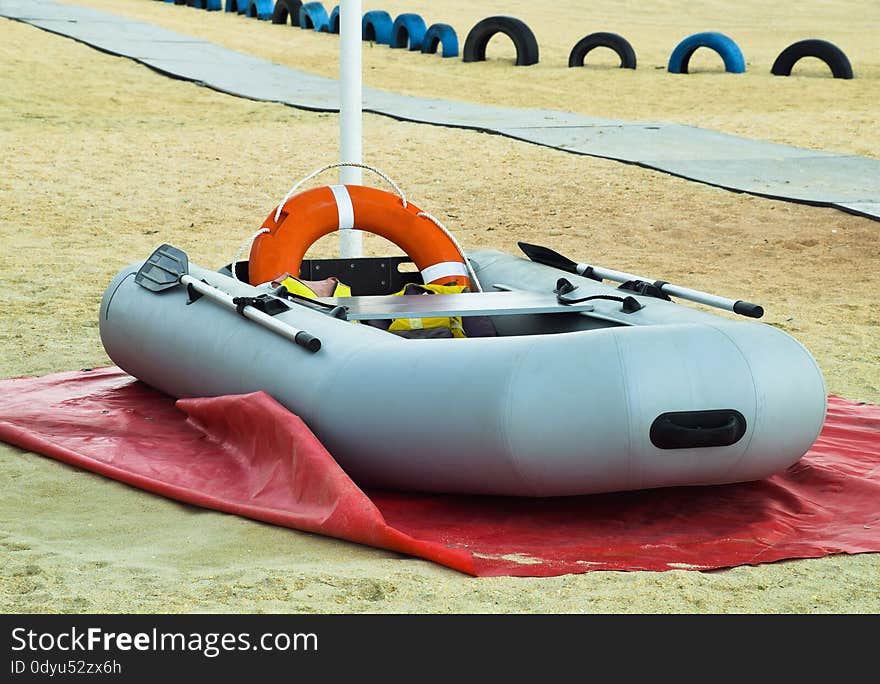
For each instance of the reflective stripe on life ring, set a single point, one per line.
(344, 208)
(311, 214)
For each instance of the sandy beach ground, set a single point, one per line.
(104, 159)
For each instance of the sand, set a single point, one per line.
(104, 159)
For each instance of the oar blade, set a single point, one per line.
(163, 269)
(546, 256)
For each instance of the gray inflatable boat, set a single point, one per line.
(581, 387)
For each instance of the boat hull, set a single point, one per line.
(522, 414)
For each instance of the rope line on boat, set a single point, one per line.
(439, 224)
(247, 243)
(336, 165)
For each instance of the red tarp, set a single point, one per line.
(248, 455)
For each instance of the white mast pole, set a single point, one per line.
(350, 112)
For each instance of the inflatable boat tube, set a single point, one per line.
(312, 15)
(521, 35)
(285, 9)
(260, 9)
(408, 30)
(619, 44)
(734, 62)
(829, 53)
(376, 26)
(440, 35)
(557, 404)
(333, 22)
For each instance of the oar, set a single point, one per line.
(544, 255)
(168, 266)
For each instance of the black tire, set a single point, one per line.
(523, 40)
(619, 44)
(829, 53)
(285, 9)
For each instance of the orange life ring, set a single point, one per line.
(310, 215)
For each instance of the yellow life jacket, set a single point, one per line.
(452, 322)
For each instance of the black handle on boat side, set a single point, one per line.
(692, 429)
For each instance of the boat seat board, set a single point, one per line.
(465, 304)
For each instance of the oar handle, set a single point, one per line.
(735, 305)
(307, 340)
(748, 309)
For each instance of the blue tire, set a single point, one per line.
(408, 30)
(724, 46)
(312, 15)
(333, 22)
(376, 26)
(437, 35)
(260, 9)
